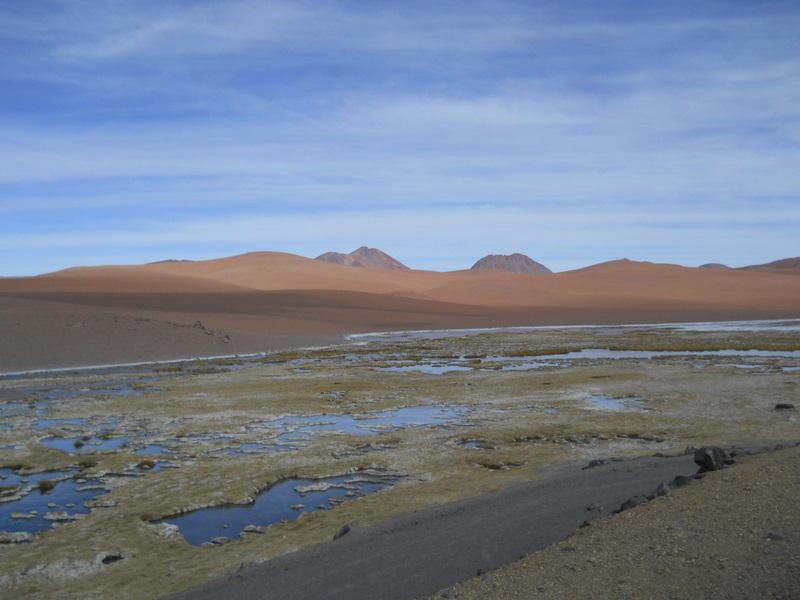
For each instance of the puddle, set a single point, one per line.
(430, 369)
(476, 445)
(48, 423)
(19, 409)
(791, 369)
(13, 409)
(304, 428)
(528, 363)
(527, 366)
(283, 501)
(123, 387)
(779, 325)
(154, 450)
(39, 510)
(603, 402)
(8, 477)
(605, 353)
(256, 448)
(79, 445)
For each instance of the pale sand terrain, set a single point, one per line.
(267, 300)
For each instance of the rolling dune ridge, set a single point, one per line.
(266, 300)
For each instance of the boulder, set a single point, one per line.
(107, 558)
(254, 529)
(343, 531)
(710, 458)
(680, 481)
(661, 490)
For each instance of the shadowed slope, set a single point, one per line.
(786, 265)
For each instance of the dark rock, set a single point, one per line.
(597, 462)
(107, 559)
(343, 531)
(775, 537)
(680, 481)
(710, 458)
(661, 490)
(254, 529)
(632, 502)
(784, 406)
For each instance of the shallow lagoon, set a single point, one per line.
(283, 501)
(41, 509)
(85, 446)
(299, 428)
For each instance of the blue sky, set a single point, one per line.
(575, 132)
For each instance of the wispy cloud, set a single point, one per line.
(177, 117)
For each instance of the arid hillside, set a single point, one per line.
(265, 300)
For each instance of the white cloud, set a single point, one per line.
(486, 122)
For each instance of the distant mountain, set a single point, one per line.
(786, 264)
(713, 266)
(516, 263)
(364, 257)
(169, 260)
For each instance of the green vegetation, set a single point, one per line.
(45, 485)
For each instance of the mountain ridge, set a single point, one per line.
(514, 263)
(364, 257)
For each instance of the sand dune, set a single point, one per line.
(264, 300)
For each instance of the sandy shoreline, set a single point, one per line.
(408, 334)
(38, 334)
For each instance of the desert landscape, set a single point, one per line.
(334, 300)
(268, 300)
(169, 424)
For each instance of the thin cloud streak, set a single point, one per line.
(179, 117)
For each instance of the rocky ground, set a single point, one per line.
(733, 534)
(519, 419)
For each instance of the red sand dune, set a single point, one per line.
(264, 300)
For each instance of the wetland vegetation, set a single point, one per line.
(275, 453)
